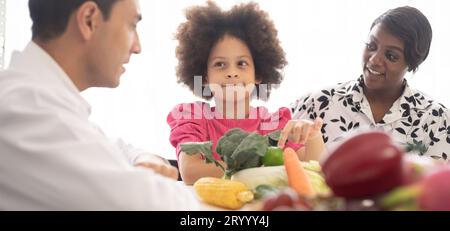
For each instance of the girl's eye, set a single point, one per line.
(219, 64)
(391, 57)
(242, 63)
(371, 46)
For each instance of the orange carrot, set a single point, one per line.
(297, 178)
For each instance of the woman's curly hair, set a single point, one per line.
(206, 25)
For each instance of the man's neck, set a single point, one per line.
(67, 58)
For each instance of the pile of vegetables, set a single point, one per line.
(244, 154)
(237, 148)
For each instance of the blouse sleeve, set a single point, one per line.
(187, 125)
(304, 108)
(439, 136)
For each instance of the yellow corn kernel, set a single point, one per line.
(223, 193)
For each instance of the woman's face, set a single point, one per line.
(231, 71)
(384, 64)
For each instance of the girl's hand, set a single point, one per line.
(300, 131)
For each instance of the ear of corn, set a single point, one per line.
(223, 193)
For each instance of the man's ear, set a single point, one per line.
(88, 17)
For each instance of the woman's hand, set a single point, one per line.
(300, 131)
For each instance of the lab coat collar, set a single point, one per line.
(35, 61)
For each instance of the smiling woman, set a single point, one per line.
(322, 41)
(399, 41)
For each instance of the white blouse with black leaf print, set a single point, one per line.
(415, 121)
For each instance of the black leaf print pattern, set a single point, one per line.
(406, 114)
(343, 120)
(416, 122)
(303, 107)
(400, 130)
(326, 92)
(343, 128)
(410, 119)
(414, 133)
(306, 99)
(405, 106)
(425, 127)
(334, 120)
(406, 124)
(444, 156)
(348, 88)
(323, 102)
(411, 100)
(322, 98)
(350, 101)
(324, 105)
(435, 113)
(322, 115)
(323, 129)
(350, 126)
(433, 138)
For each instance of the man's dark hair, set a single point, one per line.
(50, 17)
(412, 27)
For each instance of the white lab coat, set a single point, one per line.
(53, 158)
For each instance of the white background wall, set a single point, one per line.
(323, 41)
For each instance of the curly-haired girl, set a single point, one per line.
(231, 57)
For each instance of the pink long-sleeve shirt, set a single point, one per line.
(198, 122)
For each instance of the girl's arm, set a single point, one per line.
(193, 167)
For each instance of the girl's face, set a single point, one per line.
(384, 64)
(231, 72)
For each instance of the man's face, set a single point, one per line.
(114, 42)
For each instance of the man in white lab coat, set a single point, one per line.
(51, 156)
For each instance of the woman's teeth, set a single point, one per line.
(374, 72)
